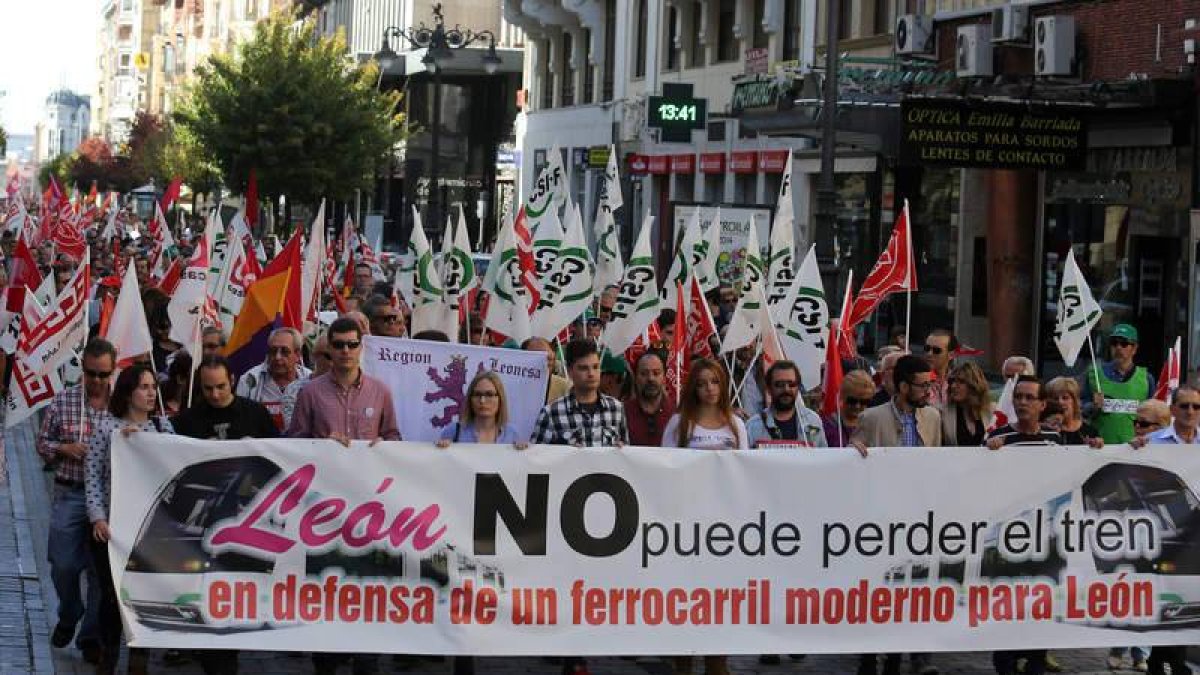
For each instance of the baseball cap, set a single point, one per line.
(611, 363)
(1124, 331)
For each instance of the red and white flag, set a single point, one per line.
(190, 295)
(23, 269)
(895, 271)
(68, 237)
(51, 341)
(1168, 378)
(1005, 412)
(28, 391)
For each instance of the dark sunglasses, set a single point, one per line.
(934, 349)
(862, 402)
(98, 374)
(345, 344)
(1119, 342)
(1188, 406)
(1143, 423)
(389, 318)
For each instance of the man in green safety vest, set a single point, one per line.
(1122, 386)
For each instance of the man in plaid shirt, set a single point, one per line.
(62, 442)
(584, 417)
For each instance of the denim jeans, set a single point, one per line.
(70, 559)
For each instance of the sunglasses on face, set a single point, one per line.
(1188, 406)
(1119, 342)
(860, 402)
(1024, 397)
(1144, 423)
(388, 318)
(345, 344)
(98, 374)
(934, 349)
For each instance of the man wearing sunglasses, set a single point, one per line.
(266, 382)
(939, 351)
(783, 421)
(344, 405)
(1114, 400)
(62, 441)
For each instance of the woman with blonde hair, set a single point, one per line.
(484, 415)
(1065, 392)
(705, 421)
(968, 412)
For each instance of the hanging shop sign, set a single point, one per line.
(658, 164)
(712, 162)
(683, 163)
(956, 133)
(743, 161)
(772, 161)
(761, 92)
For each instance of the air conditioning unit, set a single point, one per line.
(1010, 23)
(1054, 45)
(914, 34)
(973, 51)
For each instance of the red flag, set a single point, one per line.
(1168, 378)
(894, 271)
(832, 380)
(700, 325)
(170, 280)
(106, 311)
(252, 200)
(679, 360)
(68, 238)
(24, 271)
(293, 316)
(171, 193)
(50, 342)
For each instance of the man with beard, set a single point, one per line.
(648, 409)
(783, 421)
(905, 421)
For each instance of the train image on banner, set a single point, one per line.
(1115, 488)
(170, 565)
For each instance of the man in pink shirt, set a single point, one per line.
(345, 404)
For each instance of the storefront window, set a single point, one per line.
(1124, 218)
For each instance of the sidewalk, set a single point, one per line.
(27, 602)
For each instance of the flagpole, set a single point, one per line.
(1095, 367)
(749, 371)
(82, 386)
(195, 365)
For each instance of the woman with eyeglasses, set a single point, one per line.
(131, 409)
(856, 393)
(483, 420)
(1152, 415)
(967, 413)
(705, 421)
(1065, 392)
(485, 417)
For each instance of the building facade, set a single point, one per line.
(471, 113)
(64, 124)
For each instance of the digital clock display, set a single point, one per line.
(678, 112)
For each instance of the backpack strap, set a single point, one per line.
(457, 428)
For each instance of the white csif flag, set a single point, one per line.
(706, 270)
(781, 264)
(549, 192)
(801, 319)
(508, 306)
(637, 300)
(743, 326)
(609, 265)
(1078, 312)
(689, 254)
(567, 290)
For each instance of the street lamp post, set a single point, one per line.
(439, 43)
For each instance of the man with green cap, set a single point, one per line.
(1122, 387)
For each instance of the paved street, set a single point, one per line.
(27, 601)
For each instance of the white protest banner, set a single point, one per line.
(429, 381)
(304, 545)
(735, 230)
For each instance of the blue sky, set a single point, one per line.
(44, 45)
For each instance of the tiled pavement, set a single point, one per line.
(27, 600)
